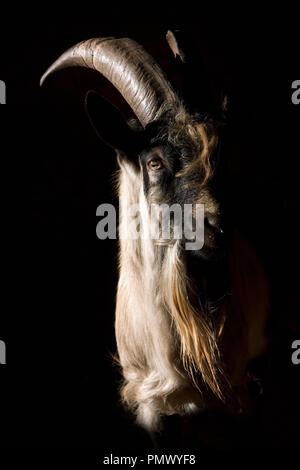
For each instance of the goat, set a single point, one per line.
(187, 322)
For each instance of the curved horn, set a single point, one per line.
(129, 68)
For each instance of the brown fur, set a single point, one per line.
(172, 357)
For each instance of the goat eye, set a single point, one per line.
(155, 164)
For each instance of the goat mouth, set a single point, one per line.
(207, 251)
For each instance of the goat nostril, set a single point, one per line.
(211, 220)
(214, 222)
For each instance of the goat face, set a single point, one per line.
(177, 147)
(176, 167)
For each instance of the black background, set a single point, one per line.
(59, 387)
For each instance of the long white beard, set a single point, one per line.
(162, 341)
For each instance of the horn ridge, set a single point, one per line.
(129, 67)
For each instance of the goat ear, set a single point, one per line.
(111, 126)
(174, 45)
